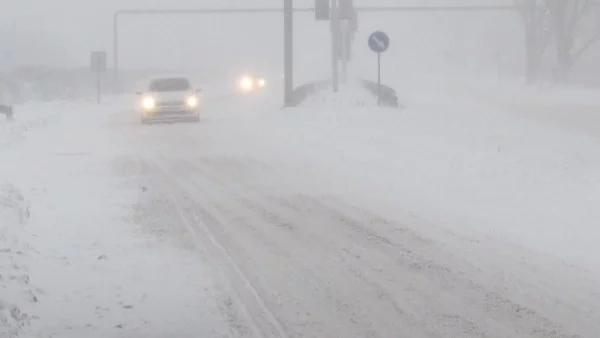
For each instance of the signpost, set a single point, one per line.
(98, 66)
(379, 43)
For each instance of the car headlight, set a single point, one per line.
(148, 102)
(192, 102)
(246, 83)
(262, 82)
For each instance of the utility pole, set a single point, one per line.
(116, 48)
(345, 17)
(498, 66)
(288, 53)
(335, 45)
(344, 51)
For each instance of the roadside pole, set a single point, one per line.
(379, 42)
(98, 66)
(335, 43)
(98, 88)
(343, 51)
(379, 79)
(288, 53)
(345, 17)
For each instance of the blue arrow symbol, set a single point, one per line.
(379, 43)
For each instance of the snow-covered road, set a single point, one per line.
(435, 221)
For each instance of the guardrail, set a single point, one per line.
(389, 98)
(302, 92)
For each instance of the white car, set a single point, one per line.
(169, 99)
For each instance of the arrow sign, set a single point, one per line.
(379, 42)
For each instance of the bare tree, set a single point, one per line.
(575, 24)
(536, 21)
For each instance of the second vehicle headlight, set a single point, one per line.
(246, 83)
(192, 102)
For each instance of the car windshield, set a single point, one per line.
(170, 85)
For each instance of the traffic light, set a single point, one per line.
(322, 10)
(346, 9)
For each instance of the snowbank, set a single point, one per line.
(463, 166)
(74, 258)
(347, 96)
(14, 256)
(540, 98)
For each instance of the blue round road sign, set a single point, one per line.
(379, 42)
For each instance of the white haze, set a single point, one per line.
(469, 212)
(63, 32)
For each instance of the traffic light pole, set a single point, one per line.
(288, 53)
(344, 51)
(335, 43)
(288, 28)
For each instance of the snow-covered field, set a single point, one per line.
(458, 216)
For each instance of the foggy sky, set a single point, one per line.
(63, 32)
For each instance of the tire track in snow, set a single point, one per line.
(266, 325)
(244, 217)
(417, 324)
(340, 302)
(257, 204)
(249, 201)
(500, 307)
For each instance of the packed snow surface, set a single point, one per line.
(458, 216)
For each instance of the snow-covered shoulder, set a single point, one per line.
(74, 259)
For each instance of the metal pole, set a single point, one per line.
(288, 53)
(506, 8)
(335, 37)
(379, 79)
(116, 47)
(98, 84)
(498, 67)
(344, 51)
